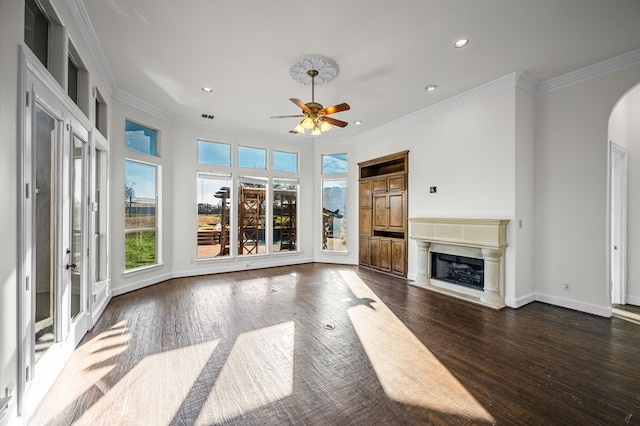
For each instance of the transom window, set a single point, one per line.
(285, 161)
(215, 153)
(252, 158)
(334, 163)
(140, 138)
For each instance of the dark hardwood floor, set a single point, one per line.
(320, 344)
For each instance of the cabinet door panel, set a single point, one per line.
(396, 183)
(384, 258)
(398, 259)
(364, 251)
(397, 213)
(374, 251)
(365, 221)
(380, 212)
(365, 193)
(380, 185)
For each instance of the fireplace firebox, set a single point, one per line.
(461, 270)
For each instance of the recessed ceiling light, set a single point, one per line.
(207, 89)
(357, 122)
(461, 43)
(431, 87)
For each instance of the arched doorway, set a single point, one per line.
(624, 204)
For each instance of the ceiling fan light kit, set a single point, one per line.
(315, 70)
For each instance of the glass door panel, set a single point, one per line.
(76, 265)
(44, 295)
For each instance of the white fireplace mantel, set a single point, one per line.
(481, 238)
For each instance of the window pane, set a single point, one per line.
(285, 224)
(72, 80)
(334, 213)
(214, 201)
(285, 161)
(253, 158)
(334, 163)
(140, 138)
(251, 216)
(140, 214)
(214, 153)
(140, 249)
(36, 31)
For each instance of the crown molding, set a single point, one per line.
(479, 92)
(80, 15)
(596, 70)
(518, 79)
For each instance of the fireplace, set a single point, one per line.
(461, 270)
(462, 257)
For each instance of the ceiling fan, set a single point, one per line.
(315, 115)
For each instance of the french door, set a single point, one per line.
(54, 234)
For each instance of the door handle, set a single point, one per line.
(71, 265)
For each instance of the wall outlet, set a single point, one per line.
(566, 286)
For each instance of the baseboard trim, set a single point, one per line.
(603, 311)
(633, 300)
(520, 301)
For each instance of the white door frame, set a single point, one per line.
(39, 88)
(619, 159)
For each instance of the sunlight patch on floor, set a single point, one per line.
(159, 382)
(408, 372)
(626, 315)
(258, 371)
(96, 363)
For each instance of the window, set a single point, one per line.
(285, 161)
(101, 114)
(141, 212)
(72, 80)
(285, 214)
(140, 138)
(214, 153)
(214, 202)
(251, 215)
(334, 214)
(36, 31)
(253, 158)
(334, 163)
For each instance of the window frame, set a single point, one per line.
(156, 143)
(329, 172)
(273, 182)
(157, 229)
(239, 159)
(335, 178)
(200, 174)
(273, 161)
(203, 142)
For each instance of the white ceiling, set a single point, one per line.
(164, 51)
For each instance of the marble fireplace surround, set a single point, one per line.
(477, 238)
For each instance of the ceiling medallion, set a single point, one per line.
(327, 69)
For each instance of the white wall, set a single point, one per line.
(522, 229)
(571, 190)
(468, 153)
(11, 33)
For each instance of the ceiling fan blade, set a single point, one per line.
(286, 116)
(334, 109)
(335, 122)
(300, 104)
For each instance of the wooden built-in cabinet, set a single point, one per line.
(383, 213)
